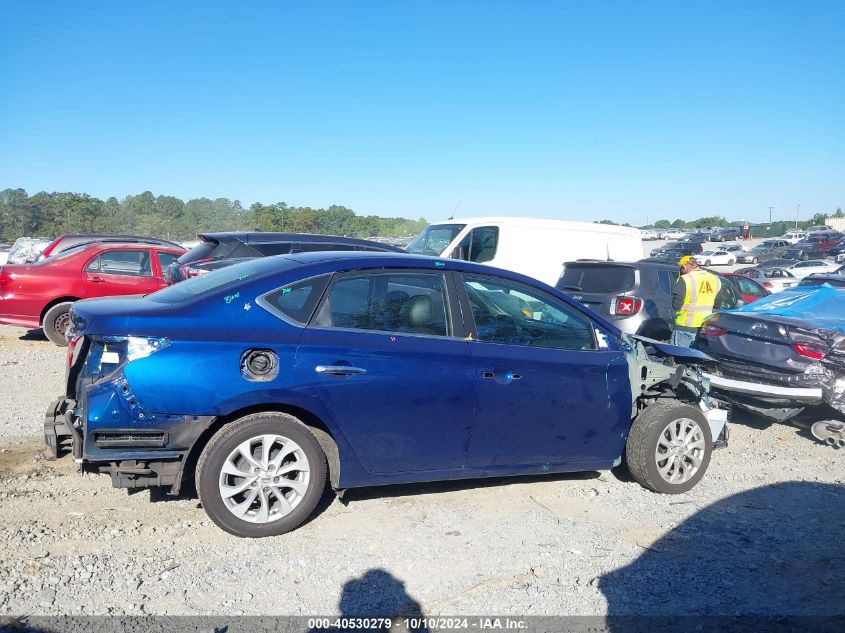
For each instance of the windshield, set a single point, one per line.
(434, 238)
(218, 279)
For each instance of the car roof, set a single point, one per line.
(259, 237)
(96, 246)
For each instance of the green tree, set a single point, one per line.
(838, 213)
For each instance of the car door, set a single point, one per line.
(550, 389)
(749, 289)
(120, 271)
(163, 260)
(395, 372)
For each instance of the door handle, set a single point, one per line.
(339, 370)
(501, 374)
(97, 280)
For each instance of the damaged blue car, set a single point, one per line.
(263, 382)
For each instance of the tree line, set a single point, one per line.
(51, 214)
(818, 219)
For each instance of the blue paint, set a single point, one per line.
(422, 412)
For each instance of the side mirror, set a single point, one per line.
(459, 253)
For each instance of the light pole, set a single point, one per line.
(770, 214)
(797, 207)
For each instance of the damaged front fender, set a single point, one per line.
(658, 370)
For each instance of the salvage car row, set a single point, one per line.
(262, 381)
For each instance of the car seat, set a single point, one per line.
(418, 316)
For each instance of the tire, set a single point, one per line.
(56, 321)
(754, 260)
(650, 432)
(278, 430)
(731, 262)
(707, 263)
(805, 257)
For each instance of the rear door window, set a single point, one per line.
(165, 259)
(599, 279)
(666, 281)
(748, 287)
(401, 302)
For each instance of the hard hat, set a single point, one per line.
(686, 259)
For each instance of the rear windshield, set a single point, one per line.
(599, 279)
(818, 281)
(203, 250)
(230, 276)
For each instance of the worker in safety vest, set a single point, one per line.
(696, 292)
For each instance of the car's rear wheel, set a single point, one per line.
(669, 447)
(56, 322)
(731, 262)
(754, 260)
(261, 475)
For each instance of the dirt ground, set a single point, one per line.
(760, 534)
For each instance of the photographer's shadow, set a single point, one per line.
(773, 552)
(375, 596)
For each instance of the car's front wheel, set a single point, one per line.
(56, 322)
(707, 263)
(754, 260)
(261, 475)
(669, 446)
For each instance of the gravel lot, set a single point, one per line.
(760, 534)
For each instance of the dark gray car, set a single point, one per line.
(635, 296)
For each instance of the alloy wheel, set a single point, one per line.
(680, 450)
(264, 478)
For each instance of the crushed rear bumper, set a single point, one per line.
(60, 435)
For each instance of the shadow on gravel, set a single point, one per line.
(377, 594)
(774, 552)
(33, 335)
(438, 487)
(799, 424)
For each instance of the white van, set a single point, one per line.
(533, 247)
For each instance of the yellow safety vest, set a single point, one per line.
(702, 288)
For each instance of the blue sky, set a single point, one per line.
(617, 110)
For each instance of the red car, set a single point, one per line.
(749, 289)
(40, 294)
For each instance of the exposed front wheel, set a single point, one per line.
(261, 475)
(669, 447)
(56, 322)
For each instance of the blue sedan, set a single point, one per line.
(262, 381)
